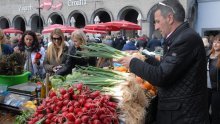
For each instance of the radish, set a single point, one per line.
(94, 94)
(64, 109)
(78, 121)
(56, 111)
(77, 110)
(84, 109)
(49, 116)
(89, 100)
(76, 104)
(85, 118)
(65, 113)
(52, 94)
(82, 101)
(95, 117)
(70, 117)
(80, 113)
(60, 104)
(79, 86)
(96, 122)
(71, 109)
(53, 106)
(70, 90)
(60, 119)
(58, 108)
(112, 104)
(48, 110)
(75, 97)
(47, 121)
(107, 120)
(66, 96)
(31, 122)
(65, 102)
(62, 91)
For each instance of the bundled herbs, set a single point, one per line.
(96, 78)
(12, 64)
(100, 50)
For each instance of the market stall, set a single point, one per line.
(93, 95)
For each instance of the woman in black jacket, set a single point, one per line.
(79, 38)
(214, 80)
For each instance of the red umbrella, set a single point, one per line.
(12, 30)
(122, 24)
(64, 28)
(102, 27)
(94, 31)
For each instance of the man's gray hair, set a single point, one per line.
(173, 6)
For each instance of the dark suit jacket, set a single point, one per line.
(180, 77)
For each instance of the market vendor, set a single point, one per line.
(4, 48)
(34, 53)
(181, 75)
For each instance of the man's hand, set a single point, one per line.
(125, 61)
(139, 56)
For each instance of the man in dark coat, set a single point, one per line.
(181, 74)
(118, 42)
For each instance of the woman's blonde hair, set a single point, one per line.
(80, 36)
(2, 36)
(53, 52)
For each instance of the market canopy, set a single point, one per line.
(94, 31)
(64, 28)
(102, 27)
(122, 24)
(12, 30)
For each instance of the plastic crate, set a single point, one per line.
(10, 80)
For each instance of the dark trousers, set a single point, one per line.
(214, 102)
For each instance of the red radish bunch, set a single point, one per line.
(76, 105)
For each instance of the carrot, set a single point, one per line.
(139, 80)
(146, 85)
(152, 92)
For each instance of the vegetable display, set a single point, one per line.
(76, 105)
(123, 87)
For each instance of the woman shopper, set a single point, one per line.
(181, 74)
(56, 54)
(4, 48)
(79, 38)
(214, 80)
(34, 53)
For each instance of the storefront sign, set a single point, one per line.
(25, 8)
(76, 2)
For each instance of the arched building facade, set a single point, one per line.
(27, 15)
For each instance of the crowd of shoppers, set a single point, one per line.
(187, 75)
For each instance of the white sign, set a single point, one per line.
(25, 8)
(76, 2)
